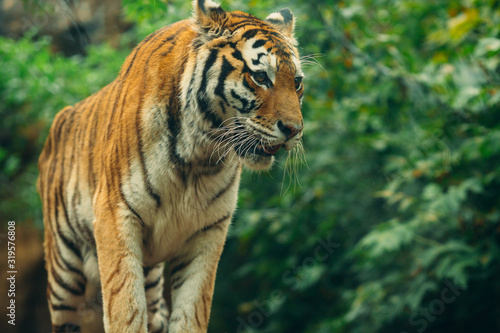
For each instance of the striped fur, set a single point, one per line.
(146, 170)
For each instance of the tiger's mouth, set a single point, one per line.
(257, 149)
(255, 154)
(269, 150)
(249, 144)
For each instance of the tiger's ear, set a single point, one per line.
(283, 21)
(209, 15)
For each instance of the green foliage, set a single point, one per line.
(403, 154)
(35, 85)
(398, 205)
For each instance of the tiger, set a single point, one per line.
(146, 171)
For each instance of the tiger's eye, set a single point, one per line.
(260, 77)
(298, 83)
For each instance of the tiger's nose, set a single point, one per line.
(290, 130)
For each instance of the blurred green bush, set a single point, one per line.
(34, 86)
(393, 224)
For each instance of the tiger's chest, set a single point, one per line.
(176, 206)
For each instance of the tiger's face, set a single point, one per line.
(253, 81)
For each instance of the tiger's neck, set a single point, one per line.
(176, 117)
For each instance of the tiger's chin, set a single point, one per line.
(257, 157)
(258, 162)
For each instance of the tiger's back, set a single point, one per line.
(147, 169)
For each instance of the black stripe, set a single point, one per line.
(224, 189)
(174, 319)
(208, 227)
(153, 303)
(151, 35)
(59, 125)
(93, 131)
(246, 16)
(79, 107)
(116, 290)
(70, 113)
(132, 317)
(132, 210)
(84, 227)
(167, 52)
(219, 221)
(253, 32)
(113, 110)
(246, 84)
(147, 181)
(68, 327)
(222, 107)
(74, 142)
(110, 95)
(68, 265)
(132, 61)
(153, 284)
(146, 270)
(259, 43)
(174, 127)
(62, 307)
(116, 270)
(154, 34)
(249, 23)
(56, 138)
(70, 226)
(179, 267)
(256, 62)
(64, 285)
(178, 284)
(250, 33)
(175, 280)
(203, 103)
(52, 292)
(68, 243)
(190, 87)
(226, 69)
(275, 21)
(246, 105)
(237, 55)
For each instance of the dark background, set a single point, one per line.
(390, 225)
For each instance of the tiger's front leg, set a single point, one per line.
(118, 237)
(192, 275)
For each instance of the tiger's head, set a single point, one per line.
(247, 82)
